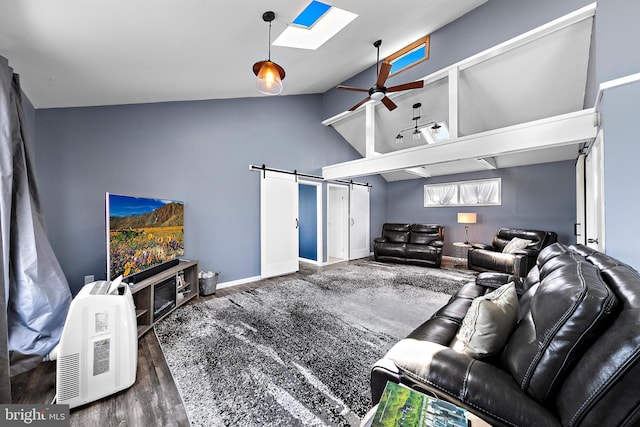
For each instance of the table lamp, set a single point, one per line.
(466, 219)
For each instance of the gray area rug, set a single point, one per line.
(298, 352)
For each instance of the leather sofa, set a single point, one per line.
(572, 359)
(482, 257)
(417, 244)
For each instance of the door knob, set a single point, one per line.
(352, 221)
(592, 241)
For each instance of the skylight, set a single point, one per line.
(409, 56)
(437, 134)
(311, 14)
(321, 27)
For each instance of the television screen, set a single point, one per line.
(142, 233)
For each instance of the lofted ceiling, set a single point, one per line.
(542, 78)
(105, 52)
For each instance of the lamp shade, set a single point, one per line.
(269, 77)
(466, 218)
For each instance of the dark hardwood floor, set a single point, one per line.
(154, 398)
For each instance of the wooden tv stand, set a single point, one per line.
(143, 292)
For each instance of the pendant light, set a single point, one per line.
(269, 75)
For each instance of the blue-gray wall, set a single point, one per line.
(618, 56)
(197, 152)
(620, 110)
(537, 197)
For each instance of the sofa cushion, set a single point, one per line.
(567, 313)
(396, 250)
(515, 245)
(396, 236)
(396, 233)
(488, 323)
(420, 251)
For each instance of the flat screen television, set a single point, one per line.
(142, 233)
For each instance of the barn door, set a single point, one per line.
(359, 245)
(278, 224)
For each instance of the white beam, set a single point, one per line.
(453, 102)
(555, 131)
(370, 130)
(488, 162)
(420, 171)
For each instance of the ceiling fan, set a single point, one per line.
(378, 92)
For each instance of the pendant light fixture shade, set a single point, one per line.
(269, 75)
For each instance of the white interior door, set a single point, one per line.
(338, 222)
(278, 224)
(594, 195)
(359, 246)
(580, 229)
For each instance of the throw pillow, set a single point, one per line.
(515, 245)
(488, 323)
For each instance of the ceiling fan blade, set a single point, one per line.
(357, 89)
(406, 86)
(385, 69)
(359, 104)
(389, 103)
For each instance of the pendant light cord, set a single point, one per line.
(269, 42)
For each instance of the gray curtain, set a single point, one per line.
(36, 293)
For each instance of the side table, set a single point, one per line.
(460, 250)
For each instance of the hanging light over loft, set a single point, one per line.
(269, 75)
(417, 125)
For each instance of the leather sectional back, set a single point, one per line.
(603, 387)
(567, 313)
(423, 234)
(396, 233)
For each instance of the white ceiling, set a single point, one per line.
(105, 52)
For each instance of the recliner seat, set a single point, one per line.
(482, 257)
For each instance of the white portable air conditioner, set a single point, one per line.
(98, 351)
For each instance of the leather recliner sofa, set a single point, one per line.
(482, 257)
(417, 244)
(572, 359)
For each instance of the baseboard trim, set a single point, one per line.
(238, 282)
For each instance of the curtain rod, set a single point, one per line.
(264, 168)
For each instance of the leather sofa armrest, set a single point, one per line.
(483, 246)
(522, 264)
(527, 252)
(380, 240)
(493, 280)
(478, 386)
(436, 243)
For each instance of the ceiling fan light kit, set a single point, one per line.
(378, 92)
(269, 75)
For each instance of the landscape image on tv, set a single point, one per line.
(142, 233)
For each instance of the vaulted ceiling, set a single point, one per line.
(104, 52)
(539, 79)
